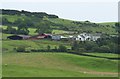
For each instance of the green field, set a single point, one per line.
(56, 65)
(108, 23)
(53, 64)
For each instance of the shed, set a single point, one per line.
(18, 37)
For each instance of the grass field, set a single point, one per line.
(53, 64)
(56, 65)
(108, 23)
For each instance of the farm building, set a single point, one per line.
(18, 37)
(41, 36)
(58, 37)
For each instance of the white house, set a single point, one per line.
(86, 36)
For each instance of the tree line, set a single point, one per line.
(27, 13)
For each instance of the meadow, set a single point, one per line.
(53, 64)
(56, 65)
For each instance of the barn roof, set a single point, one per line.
(23, 36)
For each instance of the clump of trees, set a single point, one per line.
(43, 27)
(22, 28)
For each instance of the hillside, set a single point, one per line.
(108, 23)
(56, 23)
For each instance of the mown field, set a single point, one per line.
(53, 64)
(56, 65)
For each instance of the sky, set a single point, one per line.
(80, 10)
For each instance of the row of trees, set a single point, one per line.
(60, 48)
(27, 13)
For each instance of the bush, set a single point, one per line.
(62, 48)
(89, 45)
(48, 48)
(95, 49)
(20, 49)
(105, 48)
(81, 50)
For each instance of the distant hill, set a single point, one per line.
(10, 17)
(108, 23)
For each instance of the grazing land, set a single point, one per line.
(56, 65)
(53, 64)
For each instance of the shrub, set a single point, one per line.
(20, 49)
(81, 50)
(62, 48)
(48, 48)
(105, 48)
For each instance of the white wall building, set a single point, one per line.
(89, 37)
(56, 37)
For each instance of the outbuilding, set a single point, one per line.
(18, 37)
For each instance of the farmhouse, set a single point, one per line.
(86, 36)
(18, 37)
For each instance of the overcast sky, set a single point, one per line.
(95, 11)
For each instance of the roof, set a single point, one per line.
(24, 36)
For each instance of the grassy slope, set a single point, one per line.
(94, 29)
(57, 64)
(68, 23)
(108, 23)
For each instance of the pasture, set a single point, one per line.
(53, 64)
(56, 65)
